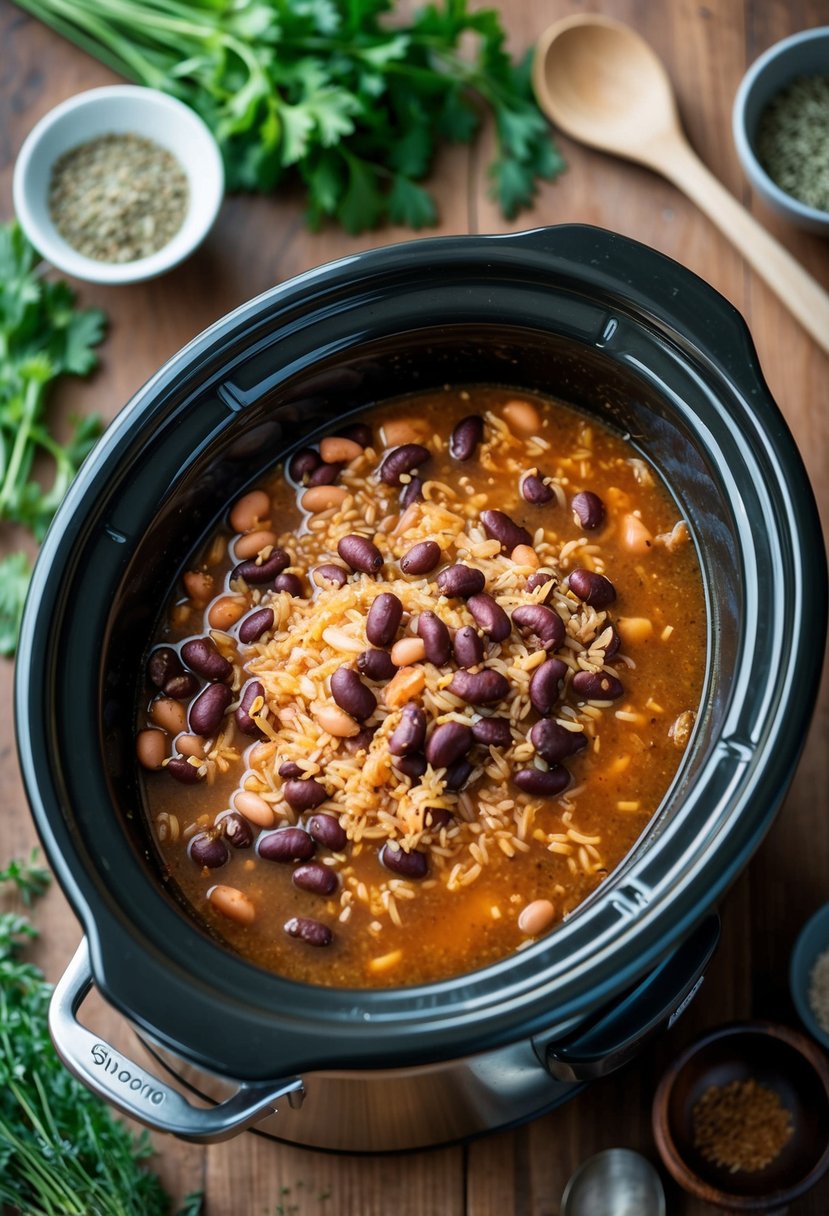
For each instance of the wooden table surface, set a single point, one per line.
(259, 242)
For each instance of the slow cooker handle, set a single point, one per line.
(138, 1093)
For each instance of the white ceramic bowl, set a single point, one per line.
(803, 54)
(118, 109)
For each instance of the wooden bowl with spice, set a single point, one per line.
(741, 1119)
(118, 184)
(809, 975)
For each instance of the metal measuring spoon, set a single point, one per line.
(617, 1182)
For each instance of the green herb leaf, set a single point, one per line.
(14, 583)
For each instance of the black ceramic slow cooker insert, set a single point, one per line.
(620, 332)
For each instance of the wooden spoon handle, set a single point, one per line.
(802, 295)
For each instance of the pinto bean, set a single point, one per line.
(352, 695)
(492, 732)
(383, 619)
(324, 475)
(421, 558)
(555, 743)
(448, 743)
(461, 581)
(588, 509)
(287, 845)
(410, 865)
(407, 651)
(404, 459)
(337, 449)
(244, 721)
(291, 583)
(314, 877)
(521, 417)
(257, 575)
(232, 903)
(226, 611)
(376, 664)
(466, 436)
(312, 932)
(361, 554)
(302, 464)
(536, 917)
(479, 687)
(490, 617)
(542, 784)
(435, 637)
(198, 585)
(534, 490)
(317, 499)
(254, 808)
(545, 685)
(252, 543)
(151, 748)
(410, 733)
(304, 795)
(327, 831)
(597, 686)
(330, 572)
(411, 492)
(253, 626)
(498, 526)
(592, 588)
(162, 665)
(468, 647)
(168, 714)
(201, 655)
(542, 622)
(249, 510)
(208, 709)
(336, 722)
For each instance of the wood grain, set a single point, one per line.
(258, 242)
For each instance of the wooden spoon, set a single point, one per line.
(601, 84)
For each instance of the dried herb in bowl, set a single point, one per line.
(793, 140)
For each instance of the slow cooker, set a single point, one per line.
(620, 332)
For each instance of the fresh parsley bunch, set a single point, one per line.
(42, 336)
(326, 89)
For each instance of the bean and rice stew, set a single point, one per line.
(424, 691)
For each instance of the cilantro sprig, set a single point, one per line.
(331, 92)
(42, 336)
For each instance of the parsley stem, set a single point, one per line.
(31, 404)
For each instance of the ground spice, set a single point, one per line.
(793, 140)
(819, 990)
(742, 1125)
(118, 198)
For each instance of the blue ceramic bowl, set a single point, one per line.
(811, 943)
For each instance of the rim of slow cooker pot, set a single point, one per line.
(203, 1002)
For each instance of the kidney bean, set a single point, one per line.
(539, 579)
(593, 589)
(492, 732)
(313, 876)
(327, 831)
(244, 721)
(290, 770)
(162, 665)
(541, 621)
(201, 655)
(183, 770)
(411, 492)
(490, 617)
(534, 490)
(309, 931)
(288, 845)
(376, 664)
(302, 464)
(448, 743)
(410, 733)
(258, 575)
(410, 865)
(597, 686)
(383, 619)
(208, 850)
(614, 643)
(500, 527)
(291, 583)
(402, 460)
(555, 743)
(413, 766)
(208, 709)
(352, 695)
(468, 647)
(361, 553)
(305, 794)
(358, 432)
(330, 573)
(421, 558)
(236, 829)
(479, 687)
(543, 784)
(588, 509)
(457, 775)
(545, 685)
(359, 742)
(466, 436)
(253, 626)
(435, 637)
(181, 687)
(461, 581)
(436, 817)
(324, 474)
